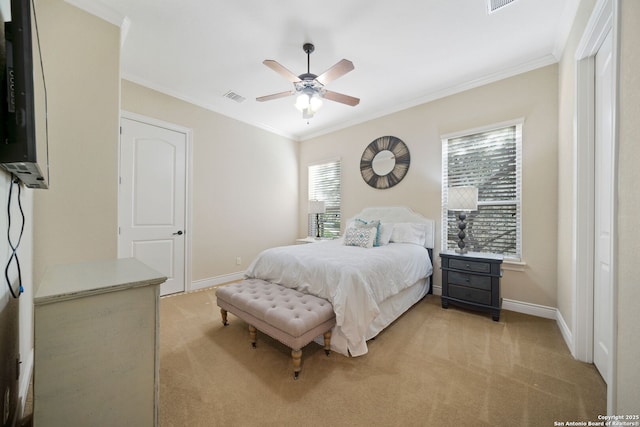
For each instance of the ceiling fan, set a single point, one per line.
(310, 87)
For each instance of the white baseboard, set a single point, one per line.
(566, 333)
(215, 281)
(529, 308)
(520, 307)
(547, 313)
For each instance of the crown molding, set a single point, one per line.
(441, 93)
(101, 10)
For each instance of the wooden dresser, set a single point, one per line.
(96, 345)
(472, 280)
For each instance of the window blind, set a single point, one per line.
(491, 161)
(324, 185)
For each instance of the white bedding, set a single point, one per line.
(355, 280)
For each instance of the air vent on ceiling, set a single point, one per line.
(497, 4)
(234, 96)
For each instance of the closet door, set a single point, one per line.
(152, 199)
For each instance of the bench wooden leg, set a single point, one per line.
(252, 335)
(223, 312)
(327, 342)
(296, 355)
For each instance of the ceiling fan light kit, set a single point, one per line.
(308, 103)
(309, 87)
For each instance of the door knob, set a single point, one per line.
(178, 233)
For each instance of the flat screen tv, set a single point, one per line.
(23, 121)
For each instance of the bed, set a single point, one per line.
(377, 270)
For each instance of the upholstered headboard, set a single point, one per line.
(399, 214)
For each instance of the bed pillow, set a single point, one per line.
(359, 223)
(363, 237)
(406, 232)
(384, 234)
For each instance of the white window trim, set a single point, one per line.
(487, 128)
(517, 262)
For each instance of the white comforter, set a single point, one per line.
(355, 280)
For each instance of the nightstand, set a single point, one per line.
(472, 280)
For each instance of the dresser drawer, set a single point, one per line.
(475, 266)
(470, 280)
(470, 294)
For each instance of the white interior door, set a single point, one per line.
(152, 199)
(604, 202)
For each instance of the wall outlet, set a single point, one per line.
(238, 260)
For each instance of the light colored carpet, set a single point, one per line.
(431, 367)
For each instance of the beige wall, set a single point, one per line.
(628, 349)
(532, 96)
(245, 183)
(75, 220)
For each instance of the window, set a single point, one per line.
(491, 160)
(324, 185)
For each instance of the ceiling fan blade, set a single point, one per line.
(280, 69)
(342, 98)
(338, 70)
(275, 96)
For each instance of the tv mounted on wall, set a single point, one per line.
(23, 125)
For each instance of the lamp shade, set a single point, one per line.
(316, 207)
(463, 198)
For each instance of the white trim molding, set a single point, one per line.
(216, 281)
(529, 308)
(604, 18)
(106, 13)
(565, 330)
(583, 211)
(437, 289)
(100, 10)
(544, 312)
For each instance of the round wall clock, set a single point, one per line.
(385, 162)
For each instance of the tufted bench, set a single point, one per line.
(289, 316)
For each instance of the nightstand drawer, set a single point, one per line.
(470, 294)
(475, 266)
(470, 280)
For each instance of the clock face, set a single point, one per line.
(385, 162)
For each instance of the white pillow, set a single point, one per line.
(384, 234)
(406, 232)
(360, 236)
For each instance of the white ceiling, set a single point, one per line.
(405, 52)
